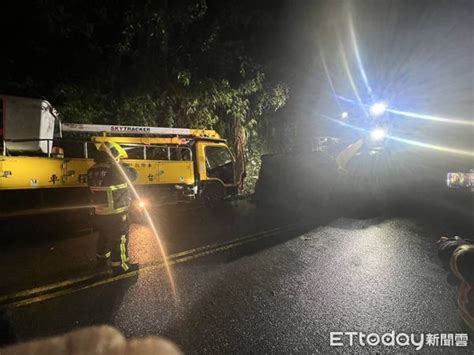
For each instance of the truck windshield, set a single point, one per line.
(220, 164)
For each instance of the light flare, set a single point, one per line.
(439, 148)
(378, 108)
(328, 76)
(432, 118)
(432, 146)
(150, 222)
(378, 134)
(357, 54)
(458, 121)
(350, 77)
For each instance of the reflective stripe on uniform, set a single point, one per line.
(109, 208)
(118, 187)
(109, 188)
(104, 256)
(104, 211)
(123, 252)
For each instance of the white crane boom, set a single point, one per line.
(137, 130)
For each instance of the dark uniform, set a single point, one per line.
(111, 198)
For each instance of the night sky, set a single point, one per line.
(417, 56)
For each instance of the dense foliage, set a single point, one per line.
(192, 63)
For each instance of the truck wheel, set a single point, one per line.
(213, 194)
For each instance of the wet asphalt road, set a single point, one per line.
(50, 248)
(283, 294)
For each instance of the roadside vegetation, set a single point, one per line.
(158, 63)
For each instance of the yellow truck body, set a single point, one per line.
(183, 163)
(57, 182)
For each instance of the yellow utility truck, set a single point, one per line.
(44, 161)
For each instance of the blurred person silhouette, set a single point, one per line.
(457, 256)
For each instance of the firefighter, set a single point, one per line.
(111, 198)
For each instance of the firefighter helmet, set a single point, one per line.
(113, 149)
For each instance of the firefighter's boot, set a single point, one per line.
(119, 268)
(104, 266)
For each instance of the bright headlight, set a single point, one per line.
(378, 108)
(378, 134)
